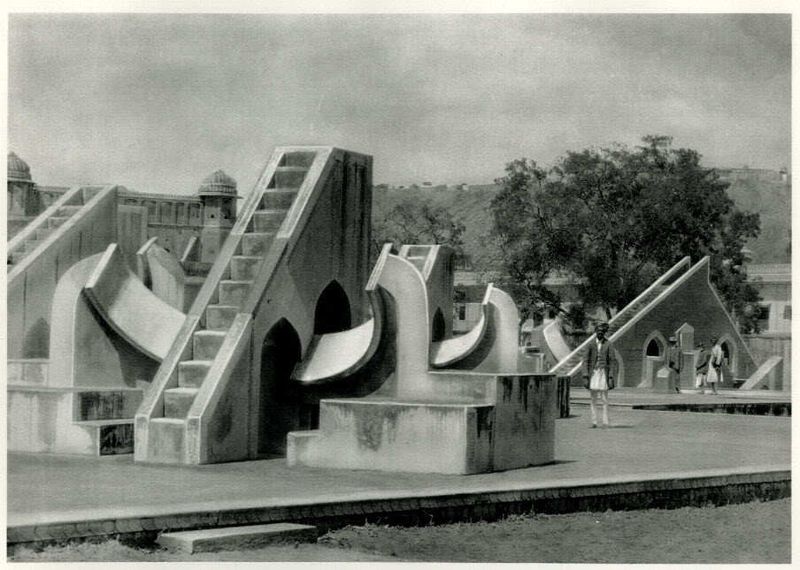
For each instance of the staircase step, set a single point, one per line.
(256, 244)
(278, 199)
(166, 436)
(56, 221)
(244, 267)
(17, 257)
(43, 233)
(30, 245)
(191, 373)
(205, 344)
(233, 292)
(237, 537)
(289, 176)
(303, 159)
(177, 401)
(68, 211)
(268, 220)
(220, 317)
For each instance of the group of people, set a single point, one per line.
(598, 376)
(708, 367)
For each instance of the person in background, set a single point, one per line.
(715, 365)
(674, 359)
(701, 367)
(598, 376)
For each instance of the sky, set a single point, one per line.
(157, 102)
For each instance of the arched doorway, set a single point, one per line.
(332, 313)
(279, 406)
(438, 327)
(654, 349)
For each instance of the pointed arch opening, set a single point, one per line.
(332, 313)
(655, 345)
(278, 408)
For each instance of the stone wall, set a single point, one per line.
(779, 344)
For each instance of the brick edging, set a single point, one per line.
(665, 492)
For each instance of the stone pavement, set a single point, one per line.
(641, 446)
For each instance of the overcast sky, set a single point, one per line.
(157, 102)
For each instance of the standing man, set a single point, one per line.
(597, 375)
(674, 363)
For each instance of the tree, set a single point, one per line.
(614, 219)
(412, 221)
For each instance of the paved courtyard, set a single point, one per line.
(640, 445)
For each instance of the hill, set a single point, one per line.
(471, 206)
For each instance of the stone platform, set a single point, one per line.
(728, 401)
(646, 459)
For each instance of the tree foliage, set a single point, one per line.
(412, 221)
(615, 219)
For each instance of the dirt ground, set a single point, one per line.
(748, 533)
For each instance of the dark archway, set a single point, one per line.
(279, 407)
(332, 313)
(437, 326)
(653, 348)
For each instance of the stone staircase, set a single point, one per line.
(233, 289)
(570, 365)
(59, 216)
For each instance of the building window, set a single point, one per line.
(763, 317)
(787, 313)
(653, 348)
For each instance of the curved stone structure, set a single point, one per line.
(130, 308)
(335, 355)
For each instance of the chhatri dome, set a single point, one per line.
(18, 169)
(217, 184)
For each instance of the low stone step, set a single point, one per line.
(56, 221)
(220, 317)
(244, 267)
(289, 176)
(233, 292)
(278, 199)
(237, 537)
(205, 344)
(256, 243)
(268, 220)
(68, 211)
(177, 401)
(191, 373)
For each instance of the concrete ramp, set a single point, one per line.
(766, 375)
(130, 308)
